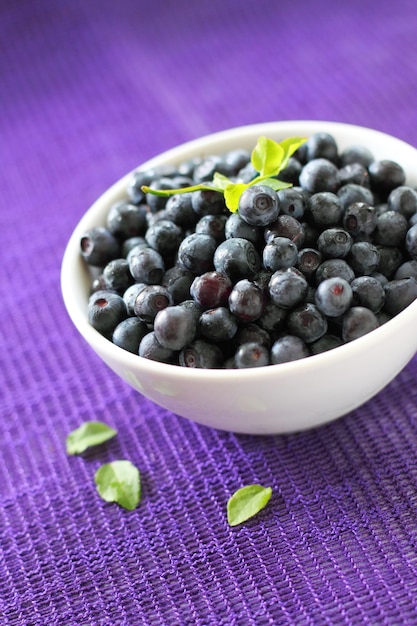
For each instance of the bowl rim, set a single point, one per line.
(110, 352)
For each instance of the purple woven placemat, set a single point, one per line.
(87, 92)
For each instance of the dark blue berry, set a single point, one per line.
(319, 175)
(399, 293)
(334, 267)
(130, 295)
(126, 220)
(150, 300)
(165, 237)
(351, 192)
(129, 333)
(404, 200)
(218, 324)
(364, 257)
(105, 311)
(236, 227)
(360, 219)
(211, 289)
(356, 154)
(258, 205)
(288, 288)
(325, 343)
(246, 301)
(308, 261)
(208, 202)
(307, 322)
(150, 348)
(179, 210)
(146, 265)
(334, 243)
(196, 253)
(288, 348)
(358, 321)
(286, 226)
(251, 354)
(354, 173)
(411, 241)
(367, 291)
(213, 225)
(321, 145)
(385, 175)
(391, 228)
(325, 209)
(333, 296)
(117, 276)
(175, 327)
(178, 281)
(238, 258)
(98, 246)
(201, 354)
(292, 201)
(279, 253)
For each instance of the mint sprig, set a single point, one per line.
(268, 158)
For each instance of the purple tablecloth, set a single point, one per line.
(89, 90)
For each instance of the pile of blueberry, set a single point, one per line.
(292, 273)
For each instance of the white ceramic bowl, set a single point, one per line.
(268, 400)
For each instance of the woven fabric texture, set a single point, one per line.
(88, 91)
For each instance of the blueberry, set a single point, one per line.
(235, 160)
(238, 258)
(126, 220)
(178, 281)
(105, 311)
(390, 259)
(165, 237)
(360, 219)
(291, 201)
(211, 289)
(334, 243)
(385, 175)
(288, 348)
(154, 202)
(367, 291)
(307, 322)
(321, 145)
(364, 257)
(291, 173)
(358, 321)
(193, 307)
(130, 295)
(404, 200)
(150, 348)
(273, 318)
(408, 269)
(98, 246)
(251, 354)
(356, 154)
(354, 173)
(391, 228)
(350, 193)
(258, 205)
(236, 227)
(411, 241)
(218, 324)
(319, 175)
(252, 333)
(129, 333)
(334, 267)
(117, 276)
(196, 253)
(399, 293)
(333, 296)
(308, 261)
(288, 288)
(325, 343)
(179, 210)
(175, 327)
(149, 301)
(246, 301)
(279, 253)
(286, 226)
(213, 225)
(325, 209)
(208, 202)
(131, 243)
(204, 171)
(201, 354)
(146, 266)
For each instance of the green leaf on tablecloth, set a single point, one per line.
(89, 434)
(247, 502)
(119, 481)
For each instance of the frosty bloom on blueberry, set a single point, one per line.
(252, 259)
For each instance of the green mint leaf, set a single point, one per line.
(247, 502)
(119, 481)
(275, 183)
(87, 435)
(289, 146)
(221, 181)
(267, 157)
(232, 194)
